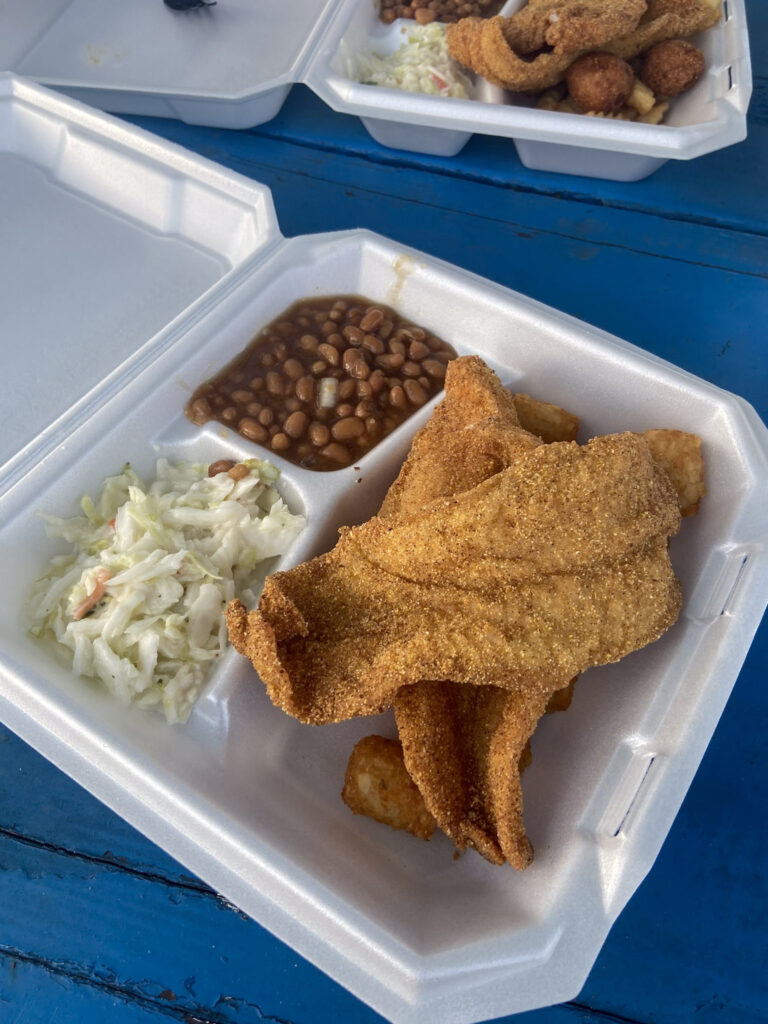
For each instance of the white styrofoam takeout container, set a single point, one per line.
(243, 795)
(232, 66)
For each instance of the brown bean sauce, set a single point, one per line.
(326, 381)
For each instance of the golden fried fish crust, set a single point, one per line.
(553, 565)
(478, 794)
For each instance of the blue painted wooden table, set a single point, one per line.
(98, 924)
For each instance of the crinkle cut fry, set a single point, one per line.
(390, 606)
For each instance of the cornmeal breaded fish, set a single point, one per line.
(557, 563)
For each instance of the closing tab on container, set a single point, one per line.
(112, 240)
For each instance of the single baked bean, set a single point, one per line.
(238, 472)
(257, 384)
(414, 392)
(281, 442)
(377, 381)
(274, 429)
(434, 368)
(344, 409)
(355, 364)
(390, 362)
(254, 408)
(364, 409)
(292, 368)
(296, 424)
(305, 389)
(229, 415)
(354, 335)
(266, 417)
(318, 368)
(417, 351)
(372, 319)
(329, 327)
(424, 381)
(267, 360)
(336, 453)
(347, 428)
(222, 466)
(292, 404)
(372, 427)
(373, 344)
(242, 397)
(219, 401)
(200, 411)
(319, 434)
(329, 353)
(252, 429)
(364, 389)
(411, 369)
(385, 329)
(275, 383)
(397, 397)
(347, 388)
(397, 345)
(336, 314)
(280, 351)
(308, 342)
(434, 344)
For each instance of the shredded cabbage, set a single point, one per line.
(422, 64)
(139, 602)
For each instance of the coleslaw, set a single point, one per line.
(139, 601)
(422, 64)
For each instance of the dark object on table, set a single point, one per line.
(188, 5)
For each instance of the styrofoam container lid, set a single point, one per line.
(247, 797)
(232, 65)
(109, 235)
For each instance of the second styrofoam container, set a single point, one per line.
(712, 115)
(232, 66)
(248, 798)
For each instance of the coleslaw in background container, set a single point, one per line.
(245, 796)
(232, 66)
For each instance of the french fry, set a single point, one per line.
(547, 421)
(377, 785)
(680, 455)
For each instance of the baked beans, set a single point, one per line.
(426, 11)
(326, 381)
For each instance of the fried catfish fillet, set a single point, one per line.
(466, 746)
(546, 568)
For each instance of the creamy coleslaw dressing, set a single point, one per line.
(140, 599)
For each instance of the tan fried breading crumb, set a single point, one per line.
(377, 785)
